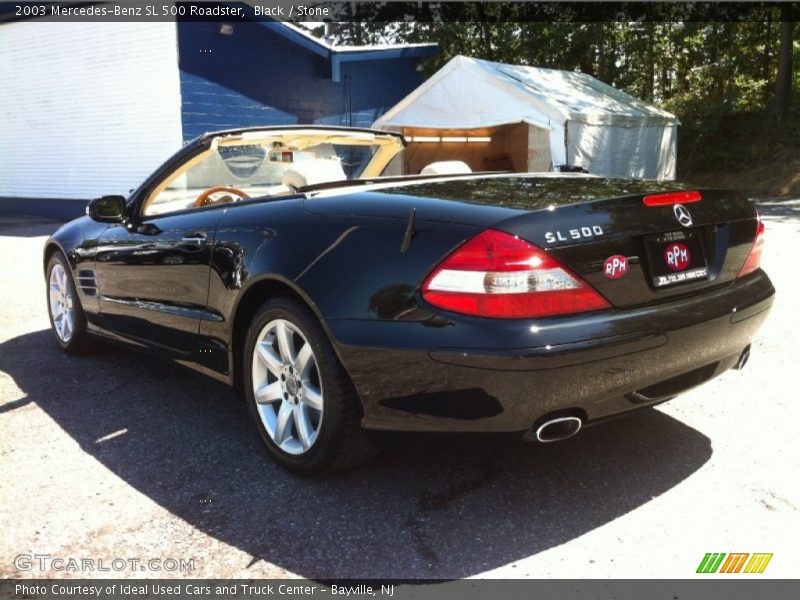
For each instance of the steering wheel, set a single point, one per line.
(205, 197)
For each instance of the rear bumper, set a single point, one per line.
(466, 374)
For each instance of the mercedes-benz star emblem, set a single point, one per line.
(682, 214)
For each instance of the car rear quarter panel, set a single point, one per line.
(343, 266)
(348, 266)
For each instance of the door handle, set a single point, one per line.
(198, 238)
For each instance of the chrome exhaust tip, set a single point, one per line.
(561, 428)
(743, 358)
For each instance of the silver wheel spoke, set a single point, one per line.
(312, 398)
(285, 343)
(67, 324)
(282, 425)
(302, 426)
(302, 363)
(271, 360)
(269, 392)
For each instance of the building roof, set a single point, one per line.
(333, 48)
(336, 54)
(342, 54)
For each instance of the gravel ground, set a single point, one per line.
(116, 455)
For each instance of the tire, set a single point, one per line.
(68, 326)
(305, 407)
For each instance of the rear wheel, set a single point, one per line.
(67, 320)
(300, 396)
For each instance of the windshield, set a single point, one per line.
(274, 163)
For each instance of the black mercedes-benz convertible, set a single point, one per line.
(336, 299)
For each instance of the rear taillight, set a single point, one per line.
(753, 260)
(498, 275)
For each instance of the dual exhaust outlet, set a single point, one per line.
(743, 358)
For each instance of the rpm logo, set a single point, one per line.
(677, 256)
(615, 266)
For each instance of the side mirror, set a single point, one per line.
(107, 209)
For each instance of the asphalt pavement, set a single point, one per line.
(119, 456)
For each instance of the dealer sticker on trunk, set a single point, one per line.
(615, 266)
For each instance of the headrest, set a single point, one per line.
(446, 167)
(312, 172)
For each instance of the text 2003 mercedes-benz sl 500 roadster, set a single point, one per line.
(280, 261)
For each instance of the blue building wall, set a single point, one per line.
(258, 77)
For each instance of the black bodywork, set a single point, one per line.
(185, 285)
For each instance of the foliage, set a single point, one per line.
(743, 151)
(705, 72)
(692, 66)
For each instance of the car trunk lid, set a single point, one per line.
(584, 221)
(637, 254)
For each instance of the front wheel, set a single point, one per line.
(67, 320)
(300, 396)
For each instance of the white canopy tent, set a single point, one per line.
(570, 118)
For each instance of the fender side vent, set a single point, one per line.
(87, 282)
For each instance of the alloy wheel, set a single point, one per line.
(61, 304)
(287, 386)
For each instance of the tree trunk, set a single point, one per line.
(487, 40)
(766, 57)
(783, 85)
(665, 84)
(651, 63)
(485, 34)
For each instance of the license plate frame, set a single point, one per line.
(664, 275)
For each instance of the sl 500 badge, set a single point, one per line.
(581, 233)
